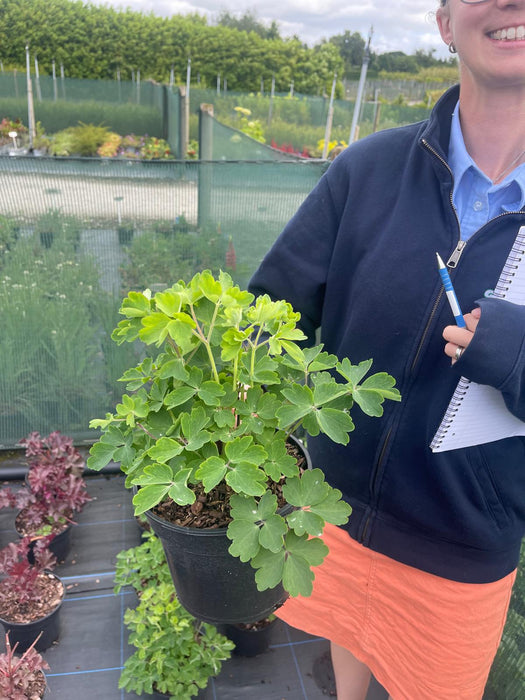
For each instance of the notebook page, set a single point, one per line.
(477, 413)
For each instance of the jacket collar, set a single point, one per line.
(437, 131)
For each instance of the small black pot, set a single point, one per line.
(60, 545)
(46, 238)
(125, 235)
(248, 642)
(26, 633)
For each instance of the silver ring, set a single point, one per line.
(458, 353)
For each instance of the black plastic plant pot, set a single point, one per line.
(125, 235)
(248, 641)
(46, 238)
(26, 633)
(210, 583)
(60, 545)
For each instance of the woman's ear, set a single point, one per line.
(443, 22)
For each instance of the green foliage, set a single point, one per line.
(157, 257)
(250, 127)
(155, 149)
(507, 676)
(64, 230)
(57, 116)
(217, 404)
(248, 22)
(143, 566)
(93, 41)
(49, 344)
(8, 235)
(81, 140)
(174, 653)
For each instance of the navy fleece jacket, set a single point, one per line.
(358, 261)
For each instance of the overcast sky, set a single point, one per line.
(402, 25)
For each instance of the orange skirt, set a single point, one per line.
(422, 636)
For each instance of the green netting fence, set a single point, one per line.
(77, 234)
(301, 109)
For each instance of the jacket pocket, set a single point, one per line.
(489, 486)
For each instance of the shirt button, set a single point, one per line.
(478, 205)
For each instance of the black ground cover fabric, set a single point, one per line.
(88, 658)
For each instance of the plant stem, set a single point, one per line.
(199, 333)
(139, 425)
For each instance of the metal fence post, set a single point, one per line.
(205, 166)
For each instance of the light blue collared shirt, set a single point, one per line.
(476, 199)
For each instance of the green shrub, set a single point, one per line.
(81, 140)
(175, 654)
(164, 256)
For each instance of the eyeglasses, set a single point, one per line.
(467, 2)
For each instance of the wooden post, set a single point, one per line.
(184, 122)
(55, 86)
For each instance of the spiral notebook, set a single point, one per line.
(477, 413)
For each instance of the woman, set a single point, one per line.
(416, 586)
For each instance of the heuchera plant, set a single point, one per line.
(57, 488)
(19, 676)
(216, 406)
(20, 576)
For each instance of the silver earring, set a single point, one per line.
(452, 47)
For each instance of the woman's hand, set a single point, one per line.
(461, 337)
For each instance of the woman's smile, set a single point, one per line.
(508, 33)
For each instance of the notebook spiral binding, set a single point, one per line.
(453, 407)
(505, 281)
(509, 269)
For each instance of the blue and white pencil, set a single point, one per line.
(451, 294)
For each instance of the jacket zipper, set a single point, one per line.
(386, 440)
(452, 263)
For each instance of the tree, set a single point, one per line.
(396, 62)
(351, 47)
(248, 22)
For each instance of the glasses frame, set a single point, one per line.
(474, 2)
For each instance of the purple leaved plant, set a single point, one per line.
(19, 576)
(57, 488)
(21, 677)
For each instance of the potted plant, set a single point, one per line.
(175, 654)
(49, 226)
(57, 490)
(22, 678)
(30, 594)
(205, 434)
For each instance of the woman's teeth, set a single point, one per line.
(509, 34)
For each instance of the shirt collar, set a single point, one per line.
(460, 161)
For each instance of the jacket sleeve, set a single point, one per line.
(496, 354)
(296, 267)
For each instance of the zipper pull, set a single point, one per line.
(454, 258)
